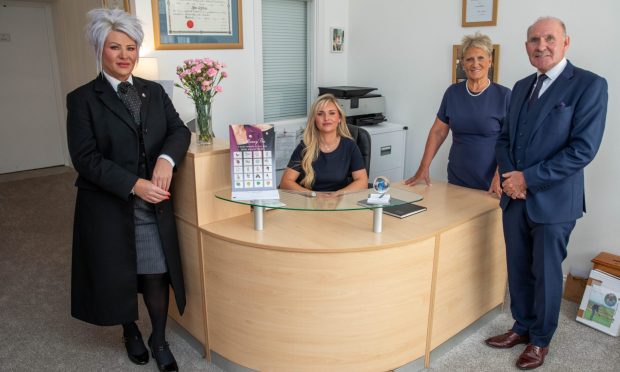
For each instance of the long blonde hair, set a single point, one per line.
(311, 136)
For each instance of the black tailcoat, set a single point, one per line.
(104, 146)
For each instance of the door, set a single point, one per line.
(30, 127)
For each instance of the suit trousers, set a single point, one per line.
(534, 252)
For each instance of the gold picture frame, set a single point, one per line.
(458, 74)
(230, 38)
(116, 4)
(478, 13)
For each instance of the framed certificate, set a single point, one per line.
(197, 24)
(479, 13)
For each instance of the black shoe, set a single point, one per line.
(136, 351)
(164, 358)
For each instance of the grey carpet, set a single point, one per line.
(38, 334)
(575, 347)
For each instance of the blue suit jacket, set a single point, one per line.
(568, 123)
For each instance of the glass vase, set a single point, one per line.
(204, 124)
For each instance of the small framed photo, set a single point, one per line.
(458, 74)
(116, 4)
(337, 38)
(478, 13)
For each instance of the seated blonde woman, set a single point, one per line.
(327, 159)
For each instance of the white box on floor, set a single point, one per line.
(599, 305)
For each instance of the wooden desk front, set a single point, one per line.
(320, 291)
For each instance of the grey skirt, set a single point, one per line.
(149, 251)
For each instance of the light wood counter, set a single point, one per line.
(204, 170)
(320, 291)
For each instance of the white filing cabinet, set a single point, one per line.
(387, 154)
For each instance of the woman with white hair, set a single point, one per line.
(125, 138)
(473, 109)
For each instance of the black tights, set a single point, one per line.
(155, 291)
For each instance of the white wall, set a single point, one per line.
(331, 69)
(405, 49)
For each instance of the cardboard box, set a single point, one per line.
(574, 288)
(599, 306)
(607, 262)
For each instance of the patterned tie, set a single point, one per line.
(129, 95)
(536, 92)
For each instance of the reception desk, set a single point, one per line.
(321, 291)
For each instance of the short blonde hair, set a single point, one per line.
(479, 41)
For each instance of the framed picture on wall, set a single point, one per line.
(478, 13)
(183, 24)
(337, 39)
(116, 4)
(458, 74)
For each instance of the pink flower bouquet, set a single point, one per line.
(200, 80)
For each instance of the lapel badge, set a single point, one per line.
(143, 95)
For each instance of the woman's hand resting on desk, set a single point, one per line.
(422, 175)
(328, 200)
(329, 194)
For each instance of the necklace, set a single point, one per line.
(479, 93)
(329, 147)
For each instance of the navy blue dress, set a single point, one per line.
(333, 169)
(475, 122)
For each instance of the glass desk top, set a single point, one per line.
(324, 201)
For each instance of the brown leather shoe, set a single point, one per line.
(507, 340)
(532, 357)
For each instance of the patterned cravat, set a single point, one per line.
(536, 92)
(129, 95)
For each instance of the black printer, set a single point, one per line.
(359, 106)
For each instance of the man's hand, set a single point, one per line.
(514, 185)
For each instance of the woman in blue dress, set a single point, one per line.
(327, 159)
(473, 109)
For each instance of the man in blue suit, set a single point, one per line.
(553, 129)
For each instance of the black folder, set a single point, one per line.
(403, 210)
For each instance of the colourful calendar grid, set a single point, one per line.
(252, 170)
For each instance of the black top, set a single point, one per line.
(331, 169)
